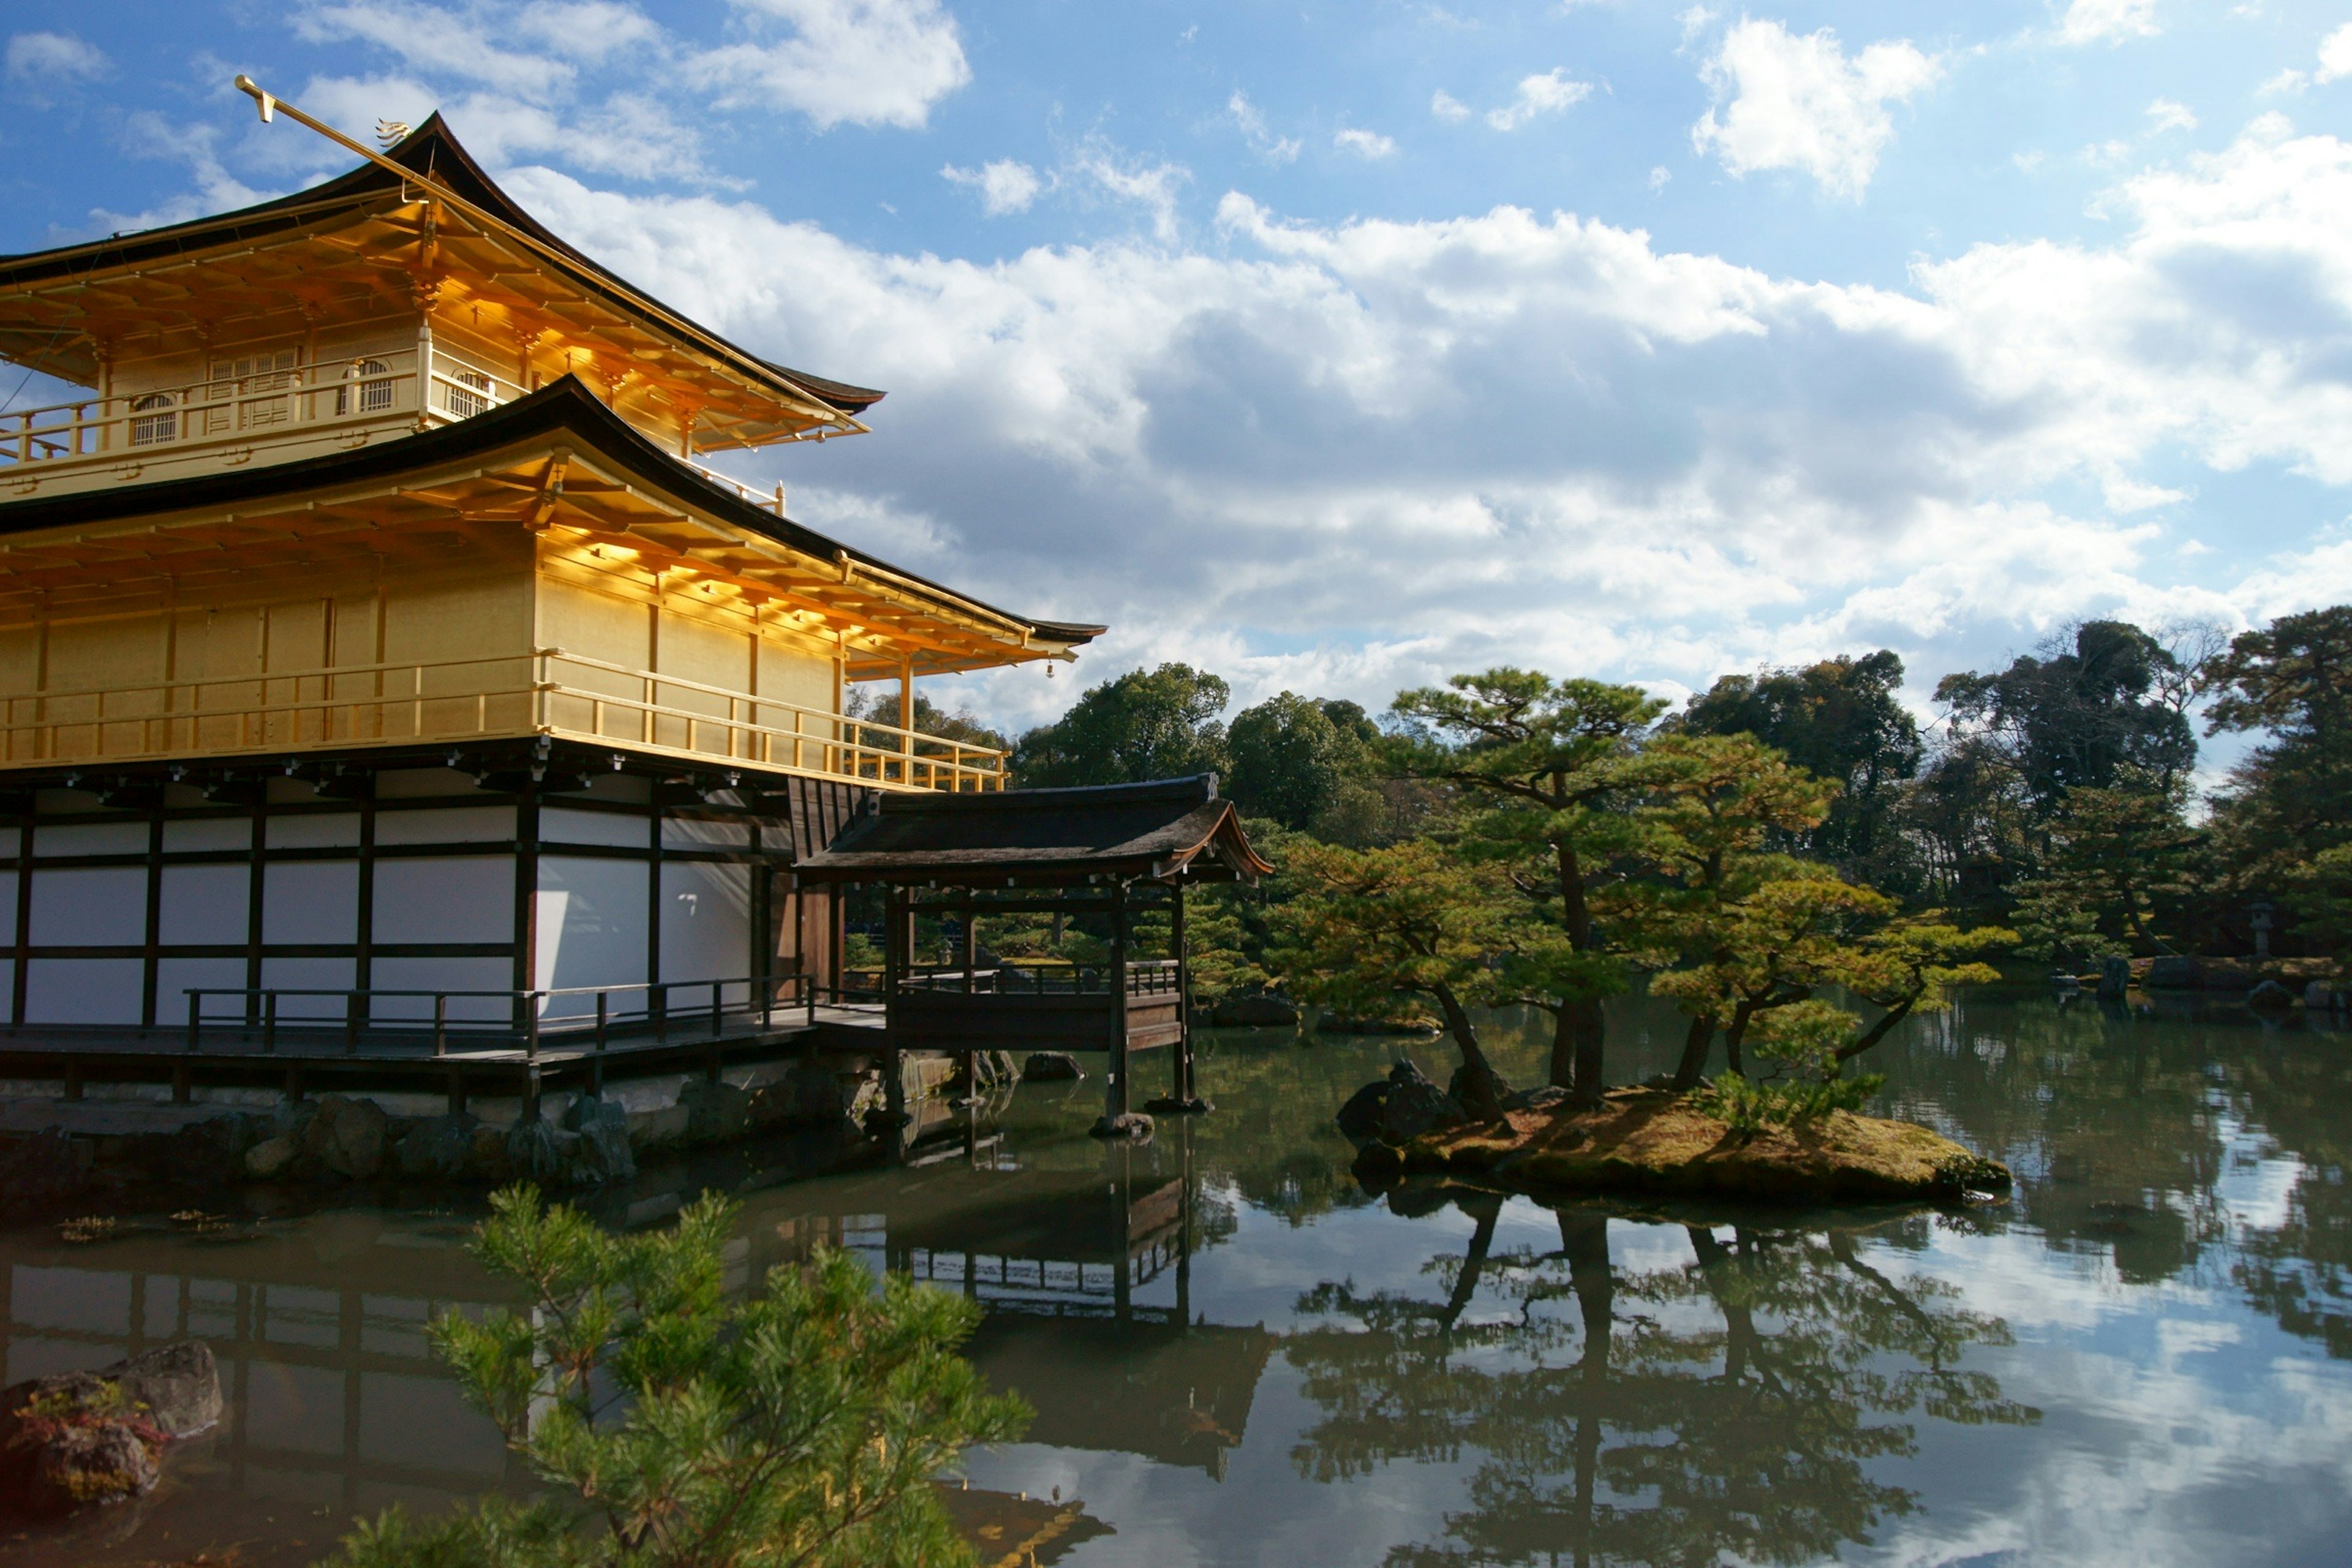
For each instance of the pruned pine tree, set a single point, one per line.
(799, 1427)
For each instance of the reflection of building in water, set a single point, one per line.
(335, 1400)
(1059, 1259)
(338, 1407)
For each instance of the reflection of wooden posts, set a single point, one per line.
(897, 940)
(1123, 1244)
(1181, 1085)
(1184, 1209)
(1115, 1045)
(966, 947)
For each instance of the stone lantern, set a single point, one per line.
(2263, 910)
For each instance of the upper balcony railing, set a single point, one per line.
(547, 691)
(270, 403)
(253, 401)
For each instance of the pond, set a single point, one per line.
(1236, 1356)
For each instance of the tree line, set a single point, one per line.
(1782, 838)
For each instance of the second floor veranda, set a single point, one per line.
(259, 409)
(549, 691)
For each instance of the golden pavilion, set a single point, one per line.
(370, 624)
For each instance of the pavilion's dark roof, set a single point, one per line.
(1168, 828)
(433, 151)
(565, 406)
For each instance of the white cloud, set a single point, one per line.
(147, 134)
(1545, 94)
(2164, 114)
(1659, 177)
(1799, 102)
(1265, 142)
(1445, 106)
(1122, 178)
(1369, 144)
(430, 38)
(860, 62)
(630, 133)
(2108, 21)
(1004, 185)
(593, 31)
(1348, 457)
(2335, 55)
(50, 59)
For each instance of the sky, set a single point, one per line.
(1342, 348)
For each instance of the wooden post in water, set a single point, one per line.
(896, 942)
(1180, 1091)
(1113, 1122)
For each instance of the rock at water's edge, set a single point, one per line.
(1050, 1066)
(101, 1434)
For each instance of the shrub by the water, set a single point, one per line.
(798, 1427)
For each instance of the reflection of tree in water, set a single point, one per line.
(2119, 1125)
(1728, 1406)
(2300, 1271)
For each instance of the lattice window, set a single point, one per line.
(152, 421)
(468, 393)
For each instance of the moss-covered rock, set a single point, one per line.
(1653, 1142)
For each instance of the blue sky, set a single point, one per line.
(1338, 348)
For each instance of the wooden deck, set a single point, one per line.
(314, 1061)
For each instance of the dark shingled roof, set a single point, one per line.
(1168, 829)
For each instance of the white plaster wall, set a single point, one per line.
(310, 901)
(83, 990)
(204, 905)
(444, 897)
(90, 906)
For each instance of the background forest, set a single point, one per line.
(1790, 857)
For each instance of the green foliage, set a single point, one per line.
(2121, 866)
(1364, 928)
(2286, 804)
(2320, 893)
(1141, 726)
(2112, 705)
(1749, 1107)
(1543, 765)
(1841, 719)
(801, 1426)
(929, 718)
(1307, 766)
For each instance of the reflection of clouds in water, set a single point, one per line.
(2181, 1463)
(2255, 1186)
(2012, 1274)
(2177, 1337)
(1258, 1514)
(2170, 1433)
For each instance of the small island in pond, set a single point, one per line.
(1653, 1142)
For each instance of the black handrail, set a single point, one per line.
(760, 997)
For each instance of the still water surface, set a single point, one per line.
(1237, 1357)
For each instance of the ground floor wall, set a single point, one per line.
(109, 917)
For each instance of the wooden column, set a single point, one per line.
(965, 948)
(896, 941)
(906, 719)
(1183, 1091)
(1115, 1055)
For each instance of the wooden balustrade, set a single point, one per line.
(547, 691)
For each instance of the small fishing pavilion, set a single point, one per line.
(1116, 851)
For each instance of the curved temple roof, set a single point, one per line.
(56, 347)
(564, 411)
(1168, 830)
